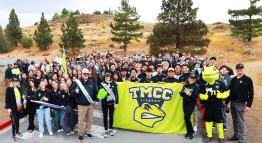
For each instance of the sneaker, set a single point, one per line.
(59, 130)
(51, 134)
(14, 138)
(106, 134)
(220, 140)
(70, 133)
(209, 140)
(234, 138)
(191, 136)
(187, 136)
(111, 132)
(225, 128)
(89, 135)
(19, 134)
(40, 135)
(80, 138)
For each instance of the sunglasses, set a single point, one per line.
(85, 73)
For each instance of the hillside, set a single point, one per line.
(96, 31)
(97, 34)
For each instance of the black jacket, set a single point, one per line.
(193, 89)
(241, 90)
(56, 97)
(10, 101)
(29, 95)
(183, 77)
(39, 94)
(170, 80)
(159, 78)
(145, 80)
(90, 86)
(68, 100)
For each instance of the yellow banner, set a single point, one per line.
(150, 107)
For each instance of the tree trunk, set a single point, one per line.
(249, 38)
(178, 41)
(125, 46)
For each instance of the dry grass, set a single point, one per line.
(96, 31)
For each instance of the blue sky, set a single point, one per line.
(29, 11)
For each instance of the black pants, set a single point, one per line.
(108, 109)
(31, 117)
(15, 116)
(188, 110)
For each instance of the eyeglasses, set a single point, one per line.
(85, 73)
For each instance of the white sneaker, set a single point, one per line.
(51, 134)
(40, 135)
(70, 133)
(60, 130)
(111, 132)
(195, 128)
(106, 134)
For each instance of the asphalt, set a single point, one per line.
(121, 136)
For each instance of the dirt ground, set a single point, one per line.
(222, 46)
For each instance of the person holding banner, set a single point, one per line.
(56, 99)
(43, 112)
(108, 95)
(85, 91)
(14, 106)
(189, 93)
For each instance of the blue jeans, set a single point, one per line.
(41, 114)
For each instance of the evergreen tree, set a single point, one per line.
(72, 38)
(56, 16)
(4, 45)
(13, 31)
(178, 27)
(65, 12)
(43, 36)
(97, 12)
(126, 26)
(246, 23)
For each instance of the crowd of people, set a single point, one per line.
(75, 91)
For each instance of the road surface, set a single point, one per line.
(121, 136)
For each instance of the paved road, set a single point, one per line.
(122, 136)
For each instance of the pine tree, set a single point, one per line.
(72, 38)
(13, 31)
(178, 27)
(126, 27)
(246, 23)
(4, 46)
(43, 36)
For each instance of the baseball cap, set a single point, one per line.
(171, 69)
(240, 66)
(192, 74)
